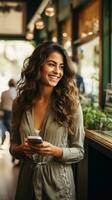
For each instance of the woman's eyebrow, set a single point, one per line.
(51, 61)
(55, 62)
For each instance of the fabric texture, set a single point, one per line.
(52, 177)
(25, 188)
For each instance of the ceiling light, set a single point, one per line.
(50, 11)
(39, 24)
(54, 39)
(29, 35)
(64, 34)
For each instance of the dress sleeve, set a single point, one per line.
(75, 150)
(15, 135)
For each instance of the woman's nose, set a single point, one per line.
(57, 69)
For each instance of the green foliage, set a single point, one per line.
(96, 119)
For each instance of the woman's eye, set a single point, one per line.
(51, 64)
(62, 67)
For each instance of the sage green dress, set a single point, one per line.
(54, 176)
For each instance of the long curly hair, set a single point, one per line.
(64, 97)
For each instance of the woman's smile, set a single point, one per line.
(53, 70)
(55, 78)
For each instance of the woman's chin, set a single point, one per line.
(53, 83)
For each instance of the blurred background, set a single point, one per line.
(84, 29)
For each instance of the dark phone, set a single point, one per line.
(32, 139)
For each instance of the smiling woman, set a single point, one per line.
(47, 105)
(53, 70)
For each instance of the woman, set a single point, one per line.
(47, 104)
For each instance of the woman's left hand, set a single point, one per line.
(47, 149)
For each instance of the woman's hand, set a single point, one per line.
(47, 149)
(25, 149)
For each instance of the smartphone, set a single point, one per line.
(34, 139)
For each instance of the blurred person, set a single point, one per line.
(47, 104)
(78, 78)
(7, 98)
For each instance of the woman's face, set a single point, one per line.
(53, 70)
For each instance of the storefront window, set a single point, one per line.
(66, 35)
(88, 56)
(88, 49)
(89, 20)
(12, 55)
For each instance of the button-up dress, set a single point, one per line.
(53, 177)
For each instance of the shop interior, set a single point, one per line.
(84, 29)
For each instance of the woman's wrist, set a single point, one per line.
(58, 152)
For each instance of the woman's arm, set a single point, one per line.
(17, 149)
(75, 151)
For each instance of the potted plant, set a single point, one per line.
(93, 117)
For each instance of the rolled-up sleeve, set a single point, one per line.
(75, 150)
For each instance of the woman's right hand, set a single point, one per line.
(25, 149)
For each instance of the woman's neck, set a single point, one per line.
(45, 93)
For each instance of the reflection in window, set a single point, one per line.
(88, 56)
(12, 55)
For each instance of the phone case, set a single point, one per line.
(34, 139)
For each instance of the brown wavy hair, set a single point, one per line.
(64, 96)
